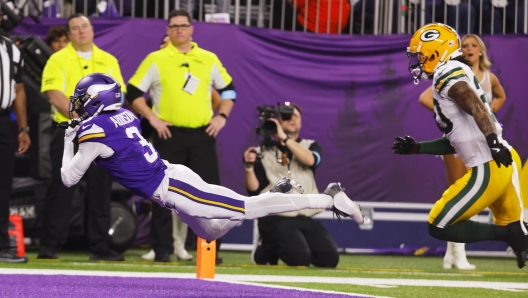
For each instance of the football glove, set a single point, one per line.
(406, 145)
(71, 133)
(499, 152)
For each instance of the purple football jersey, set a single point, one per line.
(135, 163)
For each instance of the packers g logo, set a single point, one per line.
(430, 35)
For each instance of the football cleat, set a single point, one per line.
(343, 205)
(285, 185)
(518, 242)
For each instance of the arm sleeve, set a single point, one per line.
(74, 166)
(133, 93)
(440, 146)
(20, 71)
(260, 172)
(222, 81)
(316, 151)
(52, 76)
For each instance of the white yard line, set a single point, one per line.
(374, 282)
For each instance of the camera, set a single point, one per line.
(267, 128)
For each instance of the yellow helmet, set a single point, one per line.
(430, 46)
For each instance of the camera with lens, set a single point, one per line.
(267, 128)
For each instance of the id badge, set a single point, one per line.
(191, 84)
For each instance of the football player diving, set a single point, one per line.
(111, 137)
(472, 131)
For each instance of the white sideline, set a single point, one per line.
(218, 277)
(374, 282)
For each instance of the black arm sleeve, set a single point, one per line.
(20, 71)
(316, 151)
(133, 93)
(440, 146)
(261, 177)
(231, 86)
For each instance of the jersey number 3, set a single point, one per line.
(150, 157)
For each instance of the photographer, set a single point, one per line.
(294, 237)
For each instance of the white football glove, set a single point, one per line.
(71, 133)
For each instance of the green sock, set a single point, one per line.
(464, 232)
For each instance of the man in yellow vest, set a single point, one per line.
(62, 72)
(179, 79)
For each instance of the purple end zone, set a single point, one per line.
(101, 286)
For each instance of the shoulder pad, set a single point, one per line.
(89, 131)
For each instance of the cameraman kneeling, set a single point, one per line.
(294, 237)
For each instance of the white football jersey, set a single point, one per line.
(460, 127)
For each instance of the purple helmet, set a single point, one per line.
(95, 93)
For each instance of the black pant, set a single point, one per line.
(299, 241)
(7, 160)
(57, 206)
(192, 148)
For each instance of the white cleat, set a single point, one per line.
(149, 256)
(343, 205)
(456, 257)
(182, 254)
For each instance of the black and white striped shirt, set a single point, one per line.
(10, 71)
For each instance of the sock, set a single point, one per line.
(273, 203)
(464, 232)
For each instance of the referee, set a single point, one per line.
(11, 96)
(180, 78)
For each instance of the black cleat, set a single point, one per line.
(7, 256)
(48, 252)
(521, 258)
(106, 254)
(163, 258)
(285, 185)
(518, 241)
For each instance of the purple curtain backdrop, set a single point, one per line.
(355, 92)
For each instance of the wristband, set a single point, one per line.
(223, 115)
(287, 138)
(492, 140)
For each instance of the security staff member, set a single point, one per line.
(179, 78)
(11, 96)
(62, 72)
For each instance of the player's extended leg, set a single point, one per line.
(455, 252)
(508, 208)
(190, 197)
(479, 188)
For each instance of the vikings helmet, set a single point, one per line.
(95, 93)
(430, 46)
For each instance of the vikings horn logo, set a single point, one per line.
(95, 89)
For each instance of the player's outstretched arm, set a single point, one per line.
(75, 165)
(408, 145)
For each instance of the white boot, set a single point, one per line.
(456, 256)
(179, 233)
(149, 256)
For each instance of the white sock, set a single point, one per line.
(273, 203)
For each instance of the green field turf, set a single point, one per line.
(362, 266)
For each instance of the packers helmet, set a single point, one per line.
(430, 46)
